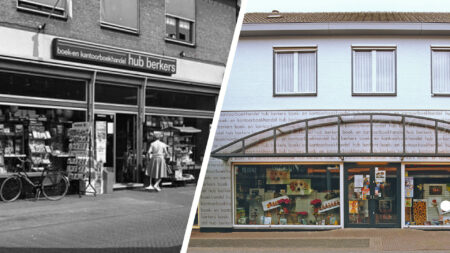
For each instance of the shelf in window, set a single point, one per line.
(14, 155)
(328, 209)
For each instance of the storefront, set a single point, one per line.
(120, 93)
(341, 170)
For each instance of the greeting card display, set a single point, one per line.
(277, 176)
(299, 187)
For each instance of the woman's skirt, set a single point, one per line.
(157, 168)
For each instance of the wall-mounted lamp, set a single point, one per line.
(182, 54)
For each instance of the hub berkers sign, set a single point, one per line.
(93, 54)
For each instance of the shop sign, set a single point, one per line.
(92, 54)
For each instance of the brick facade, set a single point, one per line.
(215, 22)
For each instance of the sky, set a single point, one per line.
(348, 5)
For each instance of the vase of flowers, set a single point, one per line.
(316, 203)
(302, 218)
(284, 210)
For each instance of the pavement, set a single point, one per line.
(124, 221)
(341, 240)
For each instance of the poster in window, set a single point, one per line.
(435, 189)
(277, 176)
(299, 187)
(409, 187)
(359, 181)
(353, 206)
(380, 175)
(100, 140)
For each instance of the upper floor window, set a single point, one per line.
(180, 21)
(440, 71)
(55, 8)
(295, 71)
(374, 71)
(120, 15)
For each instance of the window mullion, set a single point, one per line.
(374, 71)
(296, 73)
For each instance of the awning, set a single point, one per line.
(184, 129)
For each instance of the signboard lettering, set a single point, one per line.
(86, 53)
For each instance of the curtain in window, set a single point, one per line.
(181, 8)
(284, 72)
(307, 72)
(385, 72)
(120, 13)
(362, 72)
(441, 71)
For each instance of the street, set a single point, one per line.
(124, 221)
(341, 240)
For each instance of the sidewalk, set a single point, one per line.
(342, 240)
(124, 221)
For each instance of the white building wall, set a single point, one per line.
(251, 81)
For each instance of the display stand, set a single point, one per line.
(81, 148)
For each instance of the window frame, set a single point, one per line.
(177, 27)
(45, 13)
(437, 48)
(294, 49)
(121, 28)
(373, 48)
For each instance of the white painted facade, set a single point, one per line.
(251, 80)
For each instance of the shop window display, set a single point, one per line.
(37, 134)
(186, 137)
(287, 195)
(426, 189)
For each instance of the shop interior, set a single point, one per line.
(37, 134)
(426, 188)
(287, 195)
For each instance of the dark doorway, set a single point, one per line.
(372, 195)
(126, 166)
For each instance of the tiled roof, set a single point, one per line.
(334, 17)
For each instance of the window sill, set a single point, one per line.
(295, 94)
(118, 28)
(175, 41)
(42, 13)
(440, 94)
(374, 94)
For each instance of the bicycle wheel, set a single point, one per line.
(11, 189)
(54, 186)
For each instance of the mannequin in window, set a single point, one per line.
(157, 167)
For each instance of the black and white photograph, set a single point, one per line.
(105, 112)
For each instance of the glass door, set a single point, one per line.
(372, 195)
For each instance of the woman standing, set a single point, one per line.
(157, 167)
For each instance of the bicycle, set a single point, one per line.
(53, 184)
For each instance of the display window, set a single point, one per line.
(39, 135)
(427, 195)
(43, 87)
(284, 194)
(172, 99)
(186, 137)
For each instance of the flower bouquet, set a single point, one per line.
(302, 217)
(316, 203)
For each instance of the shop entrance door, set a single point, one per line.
(126, 163)
(372, 195)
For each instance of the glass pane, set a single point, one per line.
(284, 81)
(440, 73)
(173, 99)
(385, 194)
(39, 86)
(49, 3)
(362, 72)
(171, 29)
(307, 72)
(121, 13)
(105, 93)
(358, 182)
(427, 189)
(287, 195)
(385, 71)
(185, 30)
